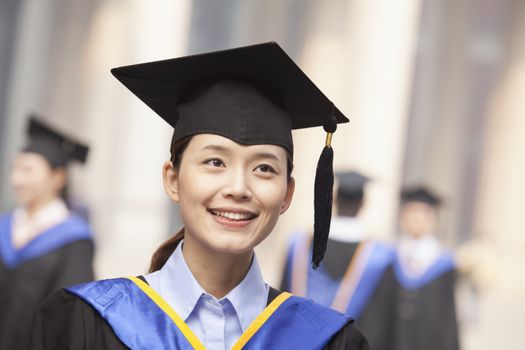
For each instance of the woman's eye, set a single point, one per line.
(265, 168)
(215, 162)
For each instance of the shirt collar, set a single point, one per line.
(26, 228)
(421, 253)
(178, 286)
(249, 298)
(55, 210)
(182, 291)
(346, 229)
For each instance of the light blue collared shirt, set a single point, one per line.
(218, 323)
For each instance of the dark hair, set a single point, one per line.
(349, 204)
(64, 191)
(167, 248)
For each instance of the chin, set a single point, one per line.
(229, 243)
(232, 247)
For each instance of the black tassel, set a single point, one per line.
(324, 183)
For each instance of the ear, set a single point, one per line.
(58, 179)
(170, 178)
(289, 195)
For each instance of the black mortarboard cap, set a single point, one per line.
(252, 95)
(57, 148)
(420, 194)
(351, 182)
(209, 93)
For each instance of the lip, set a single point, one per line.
(232, 223)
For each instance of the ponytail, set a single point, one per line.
(163, 253)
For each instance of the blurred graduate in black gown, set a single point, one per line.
(424, 316)
(354, 267)
(43, 245)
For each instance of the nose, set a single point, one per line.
(238, 186)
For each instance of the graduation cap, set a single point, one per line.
(350, 183)
(57, 148)
(251, 95)
(420, 194)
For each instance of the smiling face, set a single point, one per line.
(230, 195)
(35, 182)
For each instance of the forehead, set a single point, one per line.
(212, 142)
(31, 160)
(417, 206)
(30, 157)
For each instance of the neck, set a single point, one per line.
(37, 205)
(217, 273)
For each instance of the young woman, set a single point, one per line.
(43, 246)
(230, 172)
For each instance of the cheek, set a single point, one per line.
(195, 188)
(271, 195)
(40, 179)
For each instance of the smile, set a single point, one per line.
(232, 217)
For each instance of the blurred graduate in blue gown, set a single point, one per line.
(424, 313)
(348, 278)
(43, 244)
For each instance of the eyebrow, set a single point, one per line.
(258, 155)
(264, 155)
(214, 148)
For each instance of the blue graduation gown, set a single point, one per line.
(60, 256)
(126, 313)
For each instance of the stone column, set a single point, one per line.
(130, 142)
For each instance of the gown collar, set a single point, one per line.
(177, 285)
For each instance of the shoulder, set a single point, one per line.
(69, 305)
(85, 298)
(449, 257)
(349, 337)
(61, 311)
(97, 289)
(317, 311)
(77, 224)
(381, 252)
(60, 300)
(5, 220)
(65, 321)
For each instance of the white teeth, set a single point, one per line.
(233, 216)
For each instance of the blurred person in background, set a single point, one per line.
(348, 278)
(425, 273)
(230, 173)
(43, 245)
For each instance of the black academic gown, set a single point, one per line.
(26, 283)
(376, 321)
(421, 316)
(65, 321)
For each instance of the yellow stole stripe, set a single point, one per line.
(163, 305)
(187, 332)
(260, 320)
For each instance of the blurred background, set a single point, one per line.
(435, 93)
